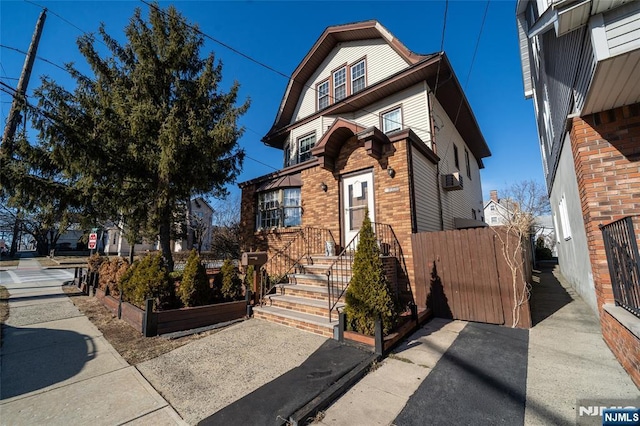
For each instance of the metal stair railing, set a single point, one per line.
(308, 240)
(339, 273)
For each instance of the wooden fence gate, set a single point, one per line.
(463, 274)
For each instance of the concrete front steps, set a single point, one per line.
(303, 303)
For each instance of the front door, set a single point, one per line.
(357, 194)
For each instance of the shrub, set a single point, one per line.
(231, 283)
(94, 262)
(249, 277)
(147, 279)
(368, 296)
(194, 287)
(111, 271)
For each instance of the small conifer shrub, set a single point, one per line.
(147, 279)
(194, 287)
(231, 283)
(368, 296)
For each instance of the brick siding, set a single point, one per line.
(606, 153)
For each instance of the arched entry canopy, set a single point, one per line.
(328, 148)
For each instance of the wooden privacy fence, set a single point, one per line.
(463, 274)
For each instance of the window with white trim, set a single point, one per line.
(305, 143)
(392, 120)
(323, 95)
(279, 208)
(340, 84)
(358, 80)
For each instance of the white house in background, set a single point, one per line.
(496, 211)
(198, 232)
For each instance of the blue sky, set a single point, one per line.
(280, 34)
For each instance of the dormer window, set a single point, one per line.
(340, 84)
(323, 95)
(358, 80)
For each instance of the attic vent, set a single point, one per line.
(452, 181)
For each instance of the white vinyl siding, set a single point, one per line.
(622, 27)
(426, 193)
(414, 112)
(456, 203)
(382, 61)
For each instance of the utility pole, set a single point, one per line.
(19, 100)
(21, 90)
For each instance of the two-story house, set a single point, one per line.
(581, 66)
(196, 228)
(496, 210)
(364, 123)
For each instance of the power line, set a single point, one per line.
(270, 68)
(63, 19)
(10, 78)
(39, 57)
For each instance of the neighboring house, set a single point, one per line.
(363, 125)
(496, 210)
(581, 66)
(197, 226)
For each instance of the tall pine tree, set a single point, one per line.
(150, 128)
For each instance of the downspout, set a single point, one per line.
(434, 149)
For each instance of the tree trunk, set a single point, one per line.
(16, 232)
(132, 249)
(165, 241)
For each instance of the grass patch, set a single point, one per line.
(4, 308)
(129, 343)
(9, 262)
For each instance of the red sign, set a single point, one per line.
(93, 240)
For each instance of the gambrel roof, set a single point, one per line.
(420, 67)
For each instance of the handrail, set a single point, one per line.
(309, 240)
(339, 273)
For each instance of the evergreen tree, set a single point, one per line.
(194, 287)
(147, 130)
(231, 283)
(368, 296)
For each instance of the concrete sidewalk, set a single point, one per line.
(566, 360)
(56, 368)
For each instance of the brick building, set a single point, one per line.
(581, 64)
(362, 125)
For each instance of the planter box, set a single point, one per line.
(200, 316)
(175, 319)
(406, 326)
(132, 315)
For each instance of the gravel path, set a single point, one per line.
(226, 366)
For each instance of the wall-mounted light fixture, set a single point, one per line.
(323, 186)
(391, 172)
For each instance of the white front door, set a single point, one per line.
(357, 194)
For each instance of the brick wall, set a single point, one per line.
(624, 344)
(322, 209)
(606, 153)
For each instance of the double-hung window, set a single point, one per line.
(268, 209)
(305, 143)
(323, 95)
(392, 120)
(340, 84)
(279, 208)
(292, 211)
(358, 81)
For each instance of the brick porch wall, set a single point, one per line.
(606, 153)
(322, 209)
